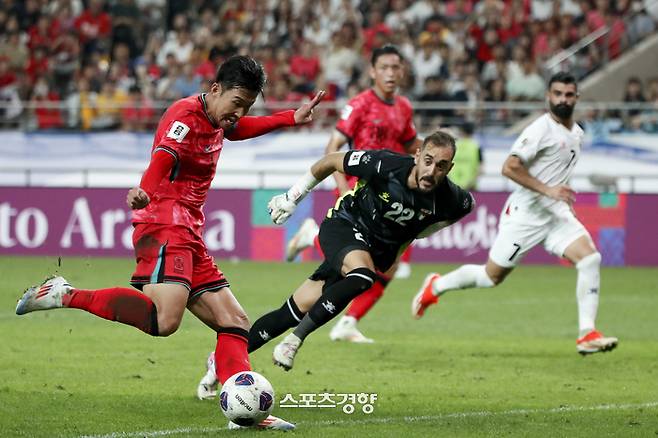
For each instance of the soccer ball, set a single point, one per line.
(246, 398)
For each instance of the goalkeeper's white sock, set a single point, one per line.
(587, 291)
(466, 276)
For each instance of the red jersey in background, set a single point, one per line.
(372, 123)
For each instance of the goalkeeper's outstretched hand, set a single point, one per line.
(281, 208)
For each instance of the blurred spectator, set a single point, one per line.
(46, 104)
(109, 103)
(94, 27)
(528, 85)
(208, 69)
(340, 62)
(396, 19)
(426, 62)
(37, 65)
(14, 51)
(497, 67)
(80, 106)
(634, 93)
(126, 24)
(376, 28)
(281, 93)
(305, 67)
(42, 33)
(435, 91)
(180, 46)
(138, 114)
(187, 83)
(65, 56)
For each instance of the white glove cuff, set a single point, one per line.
(300, 189)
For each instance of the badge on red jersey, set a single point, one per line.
(345, 113)
(178, 131)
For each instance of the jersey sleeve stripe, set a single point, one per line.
(166, 149)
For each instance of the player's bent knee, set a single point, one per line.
(363, 278)
(168, 326)
(589, 262)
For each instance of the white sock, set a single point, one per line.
(464, 277)
(587, 291)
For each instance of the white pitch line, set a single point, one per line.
(385, 420)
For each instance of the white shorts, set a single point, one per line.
(516, 237)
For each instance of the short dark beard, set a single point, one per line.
(562, 111)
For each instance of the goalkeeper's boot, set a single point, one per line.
(595, 342)
(44, 297)
(425, 297)
(271, 422)
(284, 353)
(209, 383)
(302, 239)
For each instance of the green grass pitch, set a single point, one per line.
(498, 362)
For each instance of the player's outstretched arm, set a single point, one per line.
(282, 206)
(254, 126)
(514, 169)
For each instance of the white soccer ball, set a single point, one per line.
(246, 398)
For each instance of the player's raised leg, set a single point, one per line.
(464, 277)
(588, 264)
(158, 311)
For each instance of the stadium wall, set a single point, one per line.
(96, 222)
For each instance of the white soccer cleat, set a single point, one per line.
(302, 239)
(209, 383)
(595, 342)
(47, 296)
(271, 422)
(345, 330)
(403, 271)
(425, 297)
(284, 353)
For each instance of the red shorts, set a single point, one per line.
(173, 254)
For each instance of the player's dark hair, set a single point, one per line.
(563, 78)
(241, 72)
(441, 139)
(388, 49)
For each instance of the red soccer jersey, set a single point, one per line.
(186, 133)
(371, 123)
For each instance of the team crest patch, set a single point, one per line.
(179, 265)
(345, 113)
(178, 131)
(355, 158)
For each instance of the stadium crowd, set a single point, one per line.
(114, 64)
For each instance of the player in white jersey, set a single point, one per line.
(539, 211)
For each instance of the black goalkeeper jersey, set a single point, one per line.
(384, 207)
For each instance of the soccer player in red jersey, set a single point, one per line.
(174, 270)
(377, 118)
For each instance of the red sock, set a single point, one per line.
(364, 302)
(120, 304)
(406, 255)
(316, 244)
(231, 353)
